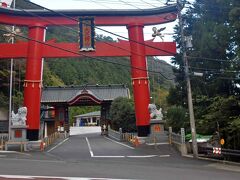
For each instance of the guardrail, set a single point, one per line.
(120, 136)
(44, 142)
(128, 137)
(178, 140)
(114, 134)
(220, 153)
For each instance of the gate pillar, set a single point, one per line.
(33, 80)
(140, 81)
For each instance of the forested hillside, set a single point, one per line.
(109, 70)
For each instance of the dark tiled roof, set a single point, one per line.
(65, 94)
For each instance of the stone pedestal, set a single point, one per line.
(157, 126)
(18, 134)
(157, 131)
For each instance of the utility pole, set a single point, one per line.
(189, 91)
(11, 85)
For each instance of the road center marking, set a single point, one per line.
(143, 156)
(109, 156)
(54, 177)
(167, 155)
(89, 147)
(152, 144)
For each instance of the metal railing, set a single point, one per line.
(128, 137)
(220, 153)
(114, 134)
(45, 142)
(176, 138)
(120, 136)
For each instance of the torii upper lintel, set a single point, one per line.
(114, 17)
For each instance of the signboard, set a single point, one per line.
(222, 142)
(156, 128)
(86, 34)
(217, 150)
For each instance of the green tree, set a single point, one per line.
(223, 116)
(176, 118)
(123, 115)
(214, 27)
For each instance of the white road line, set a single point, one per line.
(89, 147)
(113, 137)
(8, 151)
(146, 156)
(167, 155)
(3, 156)
(152, 144)
(109, 156)
(58, 145)
(55, 177)
(120, 143)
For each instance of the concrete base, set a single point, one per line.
(143, 131)
(32, 134)
(18, 133)
(142, 140)
(23, 145)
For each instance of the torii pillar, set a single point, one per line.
(33, 81)
(140, 81)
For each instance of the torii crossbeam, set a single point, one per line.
(36, 48)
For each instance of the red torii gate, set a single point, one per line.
(137, 49)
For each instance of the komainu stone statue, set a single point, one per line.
(19, 119)
(154, 113)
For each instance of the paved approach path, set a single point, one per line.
(92, 156)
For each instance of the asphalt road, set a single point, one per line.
(93, 156)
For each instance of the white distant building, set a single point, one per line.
(88, 119)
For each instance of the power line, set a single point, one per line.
(68, 17)
(221, 70)
(76, 31)
(213, 59)
(135, 4)
(130, 4)
(82, 54)
(148, 3)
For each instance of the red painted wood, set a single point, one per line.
(99, 20)
(19, 50)
(139, 77)
(32, 89)
(34, 52)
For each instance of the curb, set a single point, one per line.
(15, 152)
(214, 160)
(8, 152)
